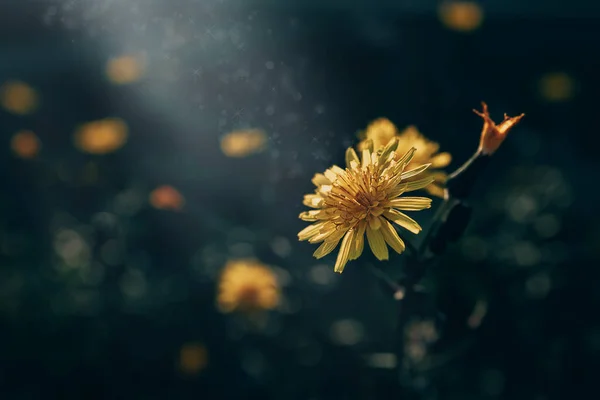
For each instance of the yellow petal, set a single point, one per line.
(366, 157)
(329, 174)
(313, 200)
(389, 148)
(407, 157)
(391, 237)
(309, 216)
(325, 189)
(320, 179)
(435, 190)
(375, 223)
(344, 253)
(441, 160)
(416, 171)
(327, 232)
(419, 183)
(377, 244)
(438, 176)
(403, 220)
(359, 241)
(325, 248)
(337, 170)
(351, 156)
(310, 231)
(411, 203)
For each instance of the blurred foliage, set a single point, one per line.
(149, 143)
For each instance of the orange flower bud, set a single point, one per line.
(493, 135)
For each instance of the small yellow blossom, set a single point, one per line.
(557, 87)
(193, 358)
(247, 285)
(382, 130)
(18, 97)
(493, 135)
(101, 137)
(364, 198)
(462, 16)
(242, 143)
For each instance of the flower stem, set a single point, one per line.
(448, 224)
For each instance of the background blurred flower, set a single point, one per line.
(382, 130)
(25, 144)
(124, 69)
(18, 97)
(247, 285)
(101, 137)
(462, 16)
(193, 358)
(166, 198)
(361, 199)
(243, 142)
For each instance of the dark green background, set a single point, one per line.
(337, 65)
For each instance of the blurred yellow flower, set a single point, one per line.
(463, 16)
(364, 198)
(18, 97)
(166, 198)
(382, 130)
(243, 142)
(102, 136)
(124, 69)
(25, 144)
(493, 135)
(247, 285)
(557, 87)
(193, 358)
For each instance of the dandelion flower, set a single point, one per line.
(365, 198)
(382, 130)
(246, 286)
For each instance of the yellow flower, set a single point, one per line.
(247, 285)
(382, 130)
(102, 136)
(364, 198)
(193, 358)
(493, 135)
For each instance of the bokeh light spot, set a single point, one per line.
(166, 198)
(526, 254)
(556, 87)
(462, 16)
(538, 286)
(72, 248)
(124, 69)
(18, 97)
(25, 144)
(547, 225)
(102, 136)
(193, 358)
(347, 332)
(243, 142)
(281, 246)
